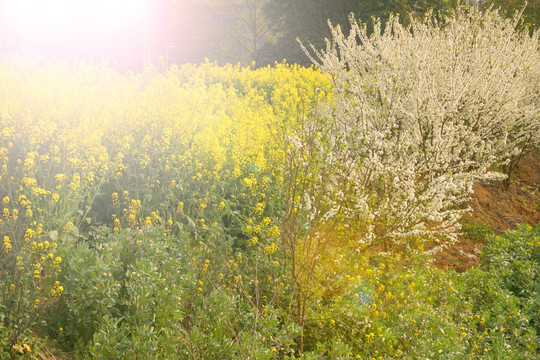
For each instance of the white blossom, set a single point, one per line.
(417, 115)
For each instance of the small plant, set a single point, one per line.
(476, 231)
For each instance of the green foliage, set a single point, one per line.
(514, 261)
(155, 293)
(420, 312)
(476, 231)
(126, 277)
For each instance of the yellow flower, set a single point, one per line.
(273, 232)
(117, 225)
(154, 217)
(60, 177)
(249, 182)
(147, 221)
(57, 261)
(29, 234)
(180, 207)
(270, 249)
(5, 200)
(115, 200)
(259, 208)
(68, 227)
(203, 204)
(7, 245)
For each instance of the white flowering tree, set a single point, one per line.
(416, 116)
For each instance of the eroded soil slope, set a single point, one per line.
(499, 209)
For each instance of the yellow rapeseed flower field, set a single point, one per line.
(74, 136)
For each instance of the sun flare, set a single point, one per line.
(67, 20)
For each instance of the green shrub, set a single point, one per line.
(408, 309)
(514, 260)
(152, 291)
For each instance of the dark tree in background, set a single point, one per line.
(225, 31)
(531, 14)
(307, 20)
(241, 27)
(265, 31)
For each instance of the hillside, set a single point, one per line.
(498, 209)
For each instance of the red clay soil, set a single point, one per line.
(500, 209)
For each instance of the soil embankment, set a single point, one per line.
(499, 209)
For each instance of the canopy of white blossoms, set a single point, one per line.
(417, 115)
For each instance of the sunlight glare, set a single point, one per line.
(65, 19)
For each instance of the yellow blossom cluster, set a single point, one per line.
(7, 244)
(82, 145)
